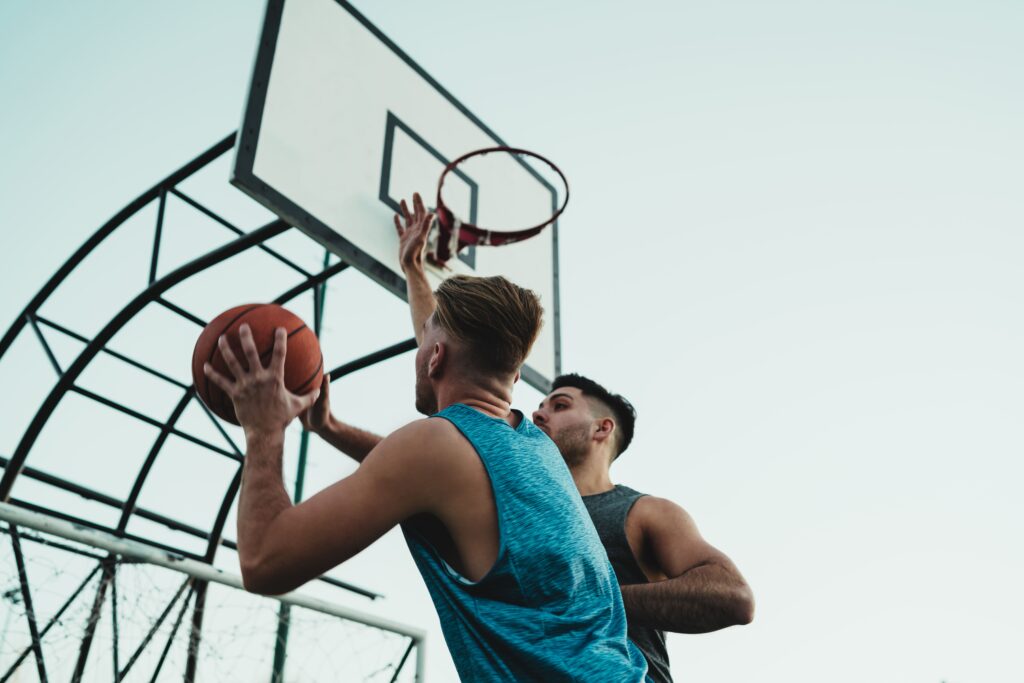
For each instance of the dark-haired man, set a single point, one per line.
(514, 567)
(671, 578)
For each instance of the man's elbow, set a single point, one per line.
(260, 579)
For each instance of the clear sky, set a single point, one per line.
(794, 243)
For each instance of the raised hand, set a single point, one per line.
(263, 404)
(412, 236)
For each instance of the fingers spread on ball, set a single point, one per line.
(280, 351)
(229, 356)
(225, 385)
(252, 354)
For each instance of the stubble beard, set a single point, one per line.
(573, 443)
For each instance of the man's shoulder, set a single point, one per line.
(650, 509)
(424, 436)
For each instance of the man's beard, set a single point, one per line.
(573, 443)
(426, 401)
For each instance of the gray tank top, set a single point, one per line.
(608, 511)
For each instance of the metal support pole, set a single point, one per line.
(26, 595)
(94, 617)
(284, 613)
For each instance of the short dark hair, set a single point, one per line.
(623, 410)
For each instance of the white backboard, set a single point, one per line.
(341, 124)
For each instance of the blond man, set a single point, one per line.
(517, 573)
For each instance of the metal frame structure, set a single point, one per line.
(196, 574)
(16, 465)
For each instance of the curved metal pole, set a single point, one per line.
(94, 241)
(17, 460)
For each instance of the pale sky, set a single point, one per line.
(794, 243)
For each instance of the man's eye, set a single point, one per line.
(559, 406)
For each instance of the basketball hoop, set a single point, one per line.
(452, 234)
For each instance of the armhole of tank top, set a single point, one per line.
(502, 549)
(625, 535)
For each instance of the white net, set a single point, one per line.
(72, 611)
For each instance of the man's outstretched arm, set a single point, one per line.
(704, 590)
(412, 241)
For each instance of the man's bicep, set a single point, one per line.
(345, 518)
(673, 540)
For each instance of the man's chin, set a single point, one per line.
(426, 407)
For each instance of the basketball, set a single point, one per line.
(303, 364)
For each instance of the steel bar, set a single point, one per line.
(111, 328)
(238, 231)
(313, 281)
(398, 669)
(88, 524)
(373, 358)
(107, 565)
(284, 611)
(45, 345)
(174, 308)
(170, 523)
(53, 620)
(110, 352)
(115, 647)
(196, 632)
(109, 501)
(154, 628)
(104, 231)
(158, 233)
(173, 633)
(144, 552)
(26, 595)
(55, 544)
(153, 421)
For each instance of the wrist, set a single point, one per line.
(328, 427)
(262, 437)
(415, 272)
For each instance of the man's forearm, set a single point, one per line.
(261, 499)
(706, 598)
(352, 441)
(421, 299)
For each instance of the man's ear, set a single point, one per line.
(438, 356)
(605, 428)
(516, 378)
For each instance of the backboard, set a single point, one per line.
(340, 125)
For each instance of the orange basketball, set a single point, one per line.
(303, 365)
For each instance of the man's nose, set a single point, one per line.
(538, 417)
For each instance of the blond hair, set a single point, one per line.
(496, 320)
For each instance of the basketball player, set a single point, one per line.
(671, 578)
(516, 571)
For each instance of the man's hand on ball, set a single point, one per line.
(262, 402)
(318, 418)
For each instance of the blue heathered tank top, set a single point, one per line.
(549, 609)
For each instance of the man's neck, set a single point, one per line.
(490, 398)
(592, 477)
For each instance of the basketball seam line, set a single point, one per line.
(319, 367)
